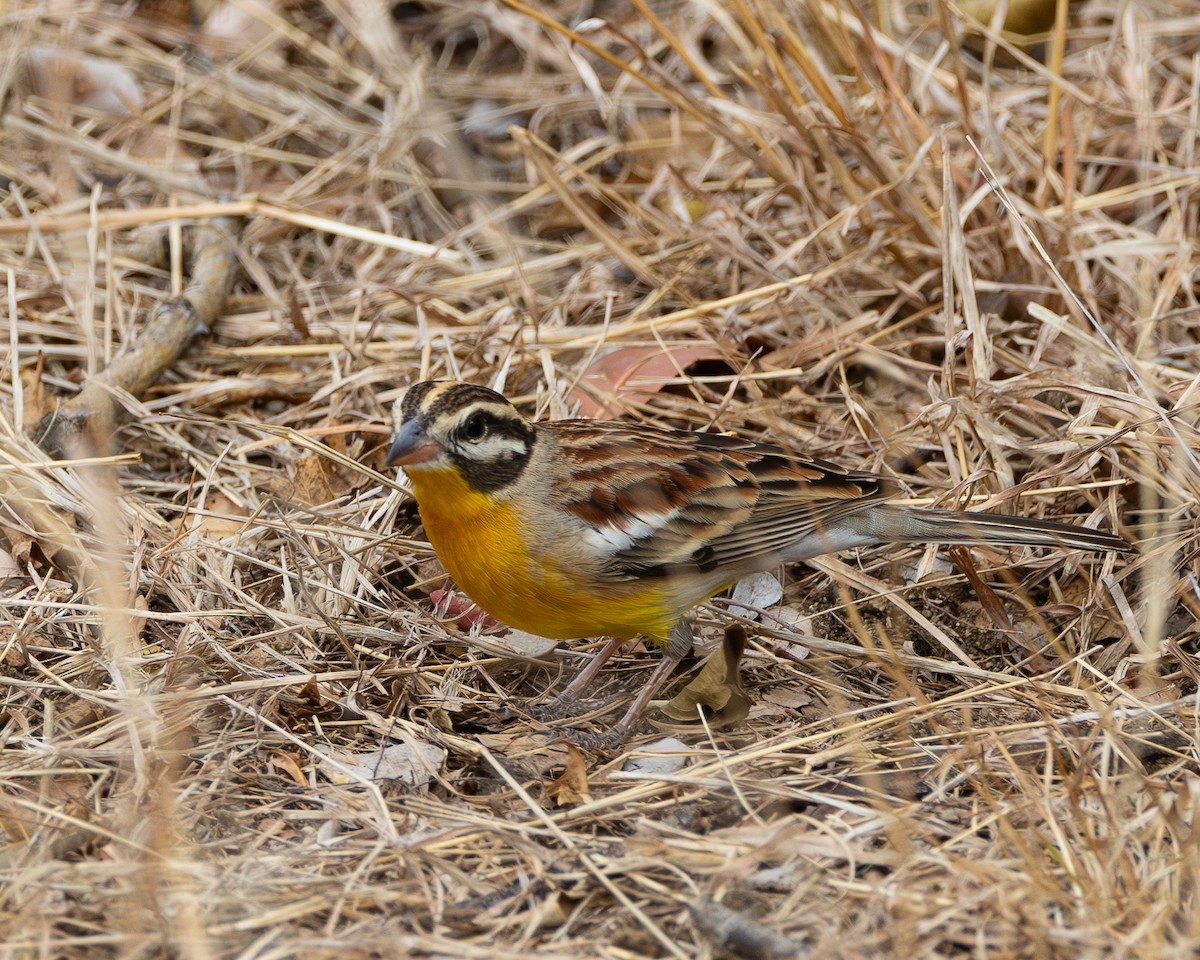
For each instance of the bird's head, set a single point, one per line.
(451, 425)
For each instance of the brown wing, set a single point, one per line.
(665, 502)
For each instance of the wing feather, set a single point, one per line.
(664, 503)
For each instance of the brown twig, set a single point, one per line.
(93, 413)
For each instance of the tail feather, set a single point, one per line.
(958, 528)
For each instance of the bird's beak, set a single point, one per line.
(410, 445)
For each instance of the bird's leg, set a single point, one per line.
(574, 691)
(568, 702)
(679, 645)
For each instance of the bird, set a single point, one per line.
(581, 528)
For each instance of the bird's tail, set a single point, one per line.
(959, 528)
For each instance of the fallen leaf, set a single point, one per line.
(99, 85)
(308, 702)
(553, 910)
(523, 646)
(572, 787)
(987, 596)
(789, 697)
(160, 146)
(1137, 674)
(35, 401)
(221, 518)
(537, 755)
(718, 686)
(21, 547)
(661, 758)
(329, 833)
(785, 840)
(300, 329)
(310, 693)
(412, 762)
(312, 479)
(756, 593)
(232, 29)
(64, 793)
(560, 219)
(286, 764)
(634, 374)
(171, 14)
(8, 566)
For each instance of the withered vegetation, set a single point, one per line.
(238, 717)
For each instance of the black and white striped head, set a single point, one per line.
(447, 424)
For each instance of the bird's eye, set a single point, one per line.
(474, 428)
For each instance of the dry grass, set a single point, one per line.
(210, 630)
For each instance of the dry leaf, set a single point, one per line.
(99, 85)
(36, 403)
(560, 219)
(8, 566)
(1132, 675)
(177, 15)
(64, 793)
(789, 697)
(232, 29)
(572, 787)
(312, 480)
(308, 702)
(525, 646)
(661, 758)
(553, 910)
(21, 548)
(221, 517)
(987, 596)
(718, 686)
(634, 374)
(412, 763)
(755, 593)
(787, 839)
(286, 764)
(159, 146)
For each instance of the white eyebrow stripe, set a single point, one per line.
(501, 411)
(492, 448)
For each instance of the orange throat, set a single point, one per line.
(480, 541)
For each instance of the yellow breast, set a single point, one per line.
(484, 547)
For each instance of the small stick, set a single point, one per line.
(94, 412)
